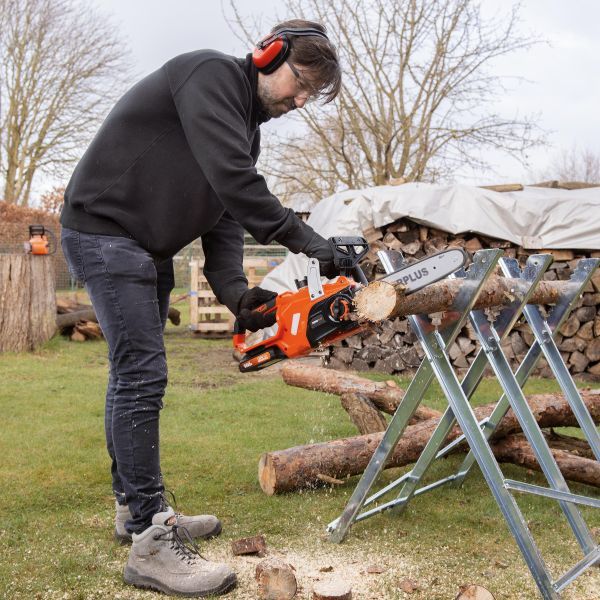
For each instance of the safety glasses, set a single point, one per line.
(305, 88)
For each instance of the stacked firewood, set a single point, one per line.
(392, 347)
(369, 402)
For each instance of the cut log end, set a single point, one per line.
(267, 474)
(276, 580)
(377, 301)
(332, 590)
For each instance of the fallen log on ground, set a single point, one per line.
(385, 395)
(516, 449)
(380, 300)
(86, 330)
(558, 441)
(300, 467)
(65, 320)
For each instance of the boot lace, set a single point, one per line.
(182, 543)
(166, 502)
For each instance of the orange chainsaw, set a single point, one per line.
(317, 315)
(41, 241)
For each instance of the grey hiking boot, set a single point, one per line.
(198, 526)
(123, 514)
(164, 558)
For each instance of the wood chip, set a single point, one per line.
(249, 545)
(328, 479)
(409, 586)
(375, 569)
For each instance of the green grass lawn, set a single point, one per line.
(57, 509)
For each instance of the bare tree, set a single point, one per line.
(61, 67)
(576, 164)
(51, 201)
(417, 98)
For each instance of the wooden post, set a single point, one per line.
(194, 293)
(27, 302)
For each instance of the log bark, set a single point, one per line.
(565, 185)
(363, 413)
(579, 447)
(72, 318)
(516, 449)
(298, 467)
(381, 300)
(385, 395)
(27, 302)
(504, 187)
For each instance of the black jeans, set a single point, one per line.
(130, 291)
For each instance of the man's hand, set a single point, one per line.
(247, 317)
(319, 248)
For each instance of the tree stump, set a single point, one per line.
(27, 302)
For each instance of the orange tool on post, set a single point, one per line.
(41, 241)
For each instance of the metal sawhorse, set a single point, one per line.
(436, 340)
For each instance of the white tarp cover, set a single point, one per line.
(534, 218)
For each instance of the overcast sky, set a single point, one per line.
(563, 83)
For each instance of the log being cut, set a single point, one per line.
(301, 466)
(380, 300)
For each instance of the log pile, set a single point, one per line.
(392, 347)
(78, 321)
(315, 464)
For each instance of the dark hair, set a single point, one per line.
(317, 55)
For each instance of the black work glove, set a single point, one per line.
(318, 247)
(248, 318)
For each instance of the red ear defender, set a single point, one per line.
(270, 53)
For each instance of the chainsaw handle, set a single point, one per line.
(239, 333)
(347, 252)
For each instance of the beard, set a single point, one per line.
(273, 105)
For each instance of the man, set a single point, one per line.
(174, 161)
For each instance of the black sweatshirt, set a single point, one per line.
(175, 160)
